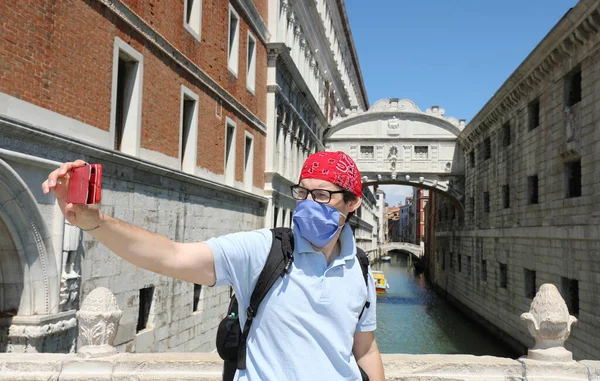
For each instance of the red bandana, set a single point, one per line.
(335, 167)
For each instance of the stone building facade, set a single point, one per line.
(171, 98)
(313, 76)
(532, 191)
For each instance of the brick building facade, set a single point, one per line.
(171, 98)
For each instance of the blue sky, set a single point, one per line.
(454, 54)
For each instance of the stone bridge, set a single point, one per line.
(415, 250)
(394, 142)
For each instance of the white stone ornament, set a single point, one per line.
(393, 126)
(98, 323)
(549, 322)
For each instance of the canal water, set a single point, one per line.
(413, 319)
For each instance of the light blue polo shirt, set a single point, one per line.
(305, 326)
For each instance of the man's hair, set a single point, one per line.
(349, 197)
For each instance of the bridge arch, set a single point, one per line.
(411, 248)
(394, 142)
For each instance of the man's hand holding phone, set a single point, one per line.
(78, 189)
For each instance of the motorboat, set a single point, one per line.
(387, 258)
(381, 284)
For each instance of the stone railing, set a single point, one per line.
(548, 321)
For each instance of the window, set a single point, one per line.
(486, 202)
(188, 130)
(459, 263)
(248, 162)
(506, 138)
(230, 152)
(472, 158)
(421, 152)
(234, 41)
(484, 270)
(251, 64)
(529, 280)
(502, 275)
(275, 215)
(569, 289)
(197, 292)
(573, 87)
(505, 196)
(532, 189)
(126, 101)
(534, 114)
(451, 259)
(573, 179)
(487, 149)
(468, 265)
(146, 300)
(193, 17)
(367, 152)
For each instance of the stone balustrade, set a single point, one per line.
(548, 321)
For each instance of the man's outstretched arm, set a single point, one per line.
(192, 262)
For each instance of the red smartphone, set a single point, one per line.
(85, 185)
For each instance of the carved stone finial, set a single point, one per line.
(549, 322)
(98, 323)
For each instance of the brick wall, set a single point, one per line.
(59, 55)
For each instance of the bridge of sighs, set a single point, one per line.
(394, 142)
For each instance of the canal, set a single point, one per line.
(413, 319)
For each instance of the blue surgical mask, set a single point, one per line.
(317, 223)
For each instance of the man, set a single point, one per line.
(308, 326)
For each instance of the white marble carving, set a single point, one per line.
(549, 322)
(569, 124)
(98, 323)
(392, 106)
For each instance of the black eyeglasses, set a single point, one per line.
(322, 196)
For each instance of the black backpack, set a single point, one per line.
(231, 339)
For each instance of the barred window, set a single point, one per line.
(421, 152)
(367, 152)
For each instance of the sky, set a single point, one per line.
(452, 53)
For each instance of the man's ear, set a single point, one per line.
(355, 204)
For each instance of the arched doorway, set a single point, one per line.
(30, 320)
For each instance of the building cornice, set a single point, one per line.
(578, 26)
(348, 32)
(125, 13)
(254, 18)
(27, 139)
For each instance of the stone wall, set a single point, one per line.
(513, 240)
(182, 207)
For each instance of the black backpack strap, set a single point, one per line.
(278, 263)
(363, 258)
